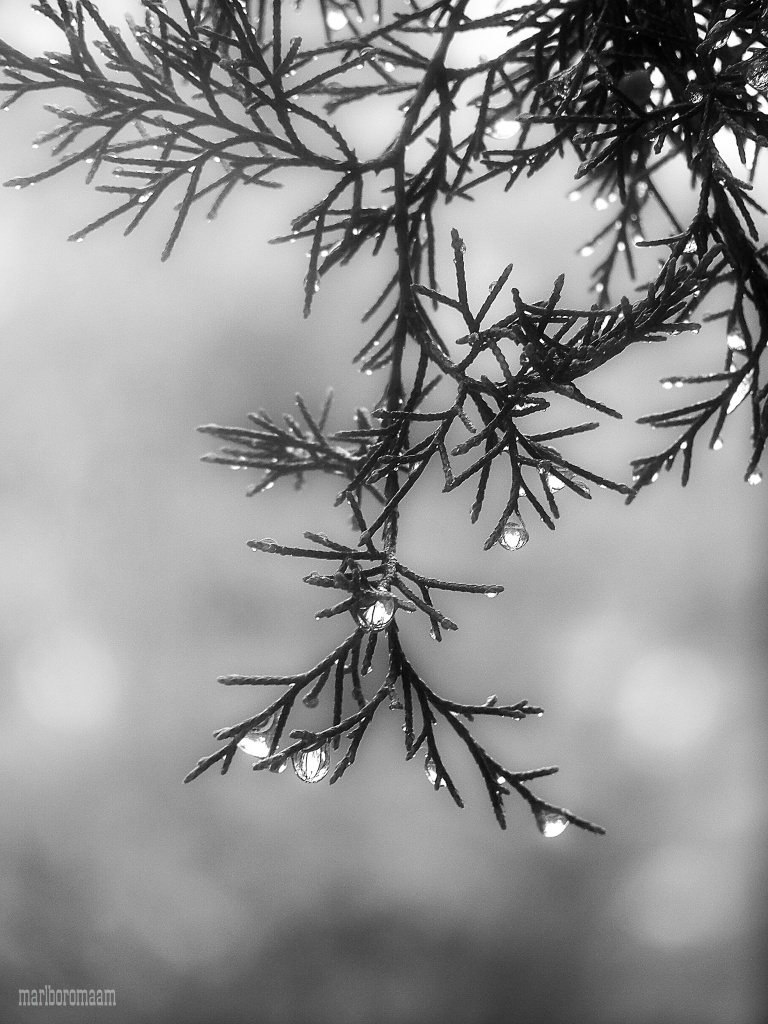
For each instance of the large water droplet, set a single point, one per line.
(735, 338)
(312, 765)
(504, 128)
(376, 610)
(257, 742)
(555, 483)
(741, 392)
(430, 770)
(575, 195)
(717, 445)
(586, 250)
(600, 203)
(550, 823)
(514, 535)
(336, 20)
(754, 477)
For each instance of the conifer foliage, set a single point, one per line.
(203, 97)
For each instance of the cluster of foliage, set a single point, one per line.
(212, 95)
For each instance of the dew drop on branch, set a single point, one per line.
(257, 742)
(336, 20)
(504, 128)
(550, 823)
(312, 765)
(754, 477)
(574, 195)
(741, 392)
(376, 611)
(430, 770)
(735, 338)
(514, 535)
(586, 250)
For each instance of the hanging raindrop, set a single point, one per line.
(312, 765)
(257, 742)
(336, 20)
(586, 250)
(504, 128)
(600, 203)
(755, 477)
(575, 195)
(430, 770)
(717, 445)
(741, 392)
(514, 535)
(375, 610)
(555, 483)
(735, 338)
(550, 823)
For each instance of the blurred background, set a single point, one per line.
(127, 589)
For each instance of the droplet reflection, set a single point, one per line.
(514, 535)
(376, 610)
(550, 823)
(312, 765)
(257, 742)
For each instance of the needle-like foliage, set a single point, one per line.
(210, 96)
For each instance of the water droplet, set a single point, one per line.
(586, 250)
(679, 383)
(683, 446)
(621, 246)
(754, 477)
(514, 535)
(430, 770)
(490, 594)
(690, 245)
(312, 765)
(376, 610)
(741, 392)
(599, 287)
(145, 197)
(89, 159)
(638, 239)
(600, 203)
(388, 66)
(575, 195)
(654, 478)
(735, 338)
(550, 823)
(554, 483)
(667, 384)
(336, 20)
(504, 128)
(257, 742)
(718, 444)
